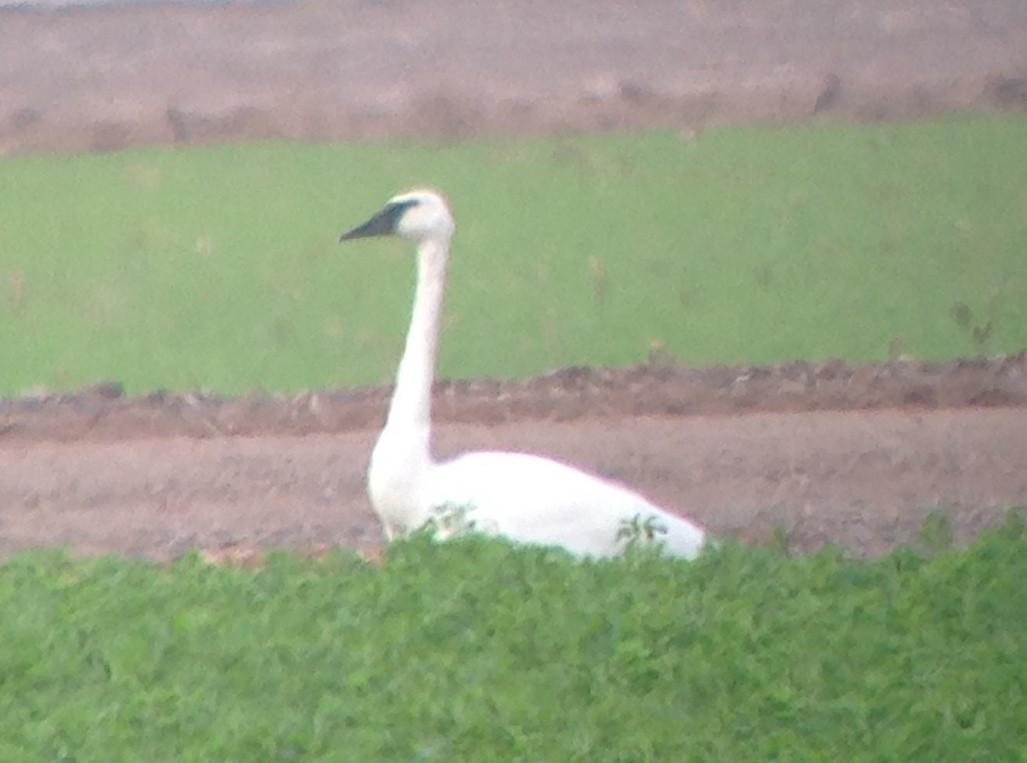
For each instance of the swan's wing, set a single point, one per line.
(536, 500)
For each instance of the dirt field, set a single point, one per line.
(856, 455)
(331, 69)
(830, 452)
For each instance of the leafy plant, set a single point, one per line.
(480, 650)
(638, 531)
(451, 520)
(979, 333)
(936, 533)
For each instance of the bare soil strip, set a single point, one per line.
(103, 79)
(157, 476)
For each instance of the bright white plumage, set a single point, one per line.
(526, 498)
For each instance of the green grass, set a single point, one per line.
(477, 651)
(219, 268)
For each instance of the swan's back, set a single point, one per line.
(536, 500)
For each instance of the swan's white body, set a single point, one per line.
(525, 498)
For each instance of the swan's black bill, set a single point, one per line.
(382, 224)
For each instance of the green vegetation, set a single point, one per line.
(478, 651)
(219, 267)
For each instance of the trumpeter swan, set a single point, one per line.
(526, 498)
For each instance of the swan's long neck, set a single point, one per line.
(411, 400)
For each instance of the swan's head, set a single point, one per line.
(415, 215)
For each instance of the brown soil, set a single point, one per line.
(336, 69)
(829, 452)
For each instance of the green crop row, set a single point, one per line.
(219, 268)
(480, 651)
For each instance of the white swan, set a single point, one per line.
(525, 498)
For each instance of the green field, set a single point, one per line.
(218, 268)
(479, 651)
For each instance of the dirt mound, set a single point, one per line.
(101, 412)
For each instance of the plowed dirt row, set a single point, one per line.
(861, 478)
